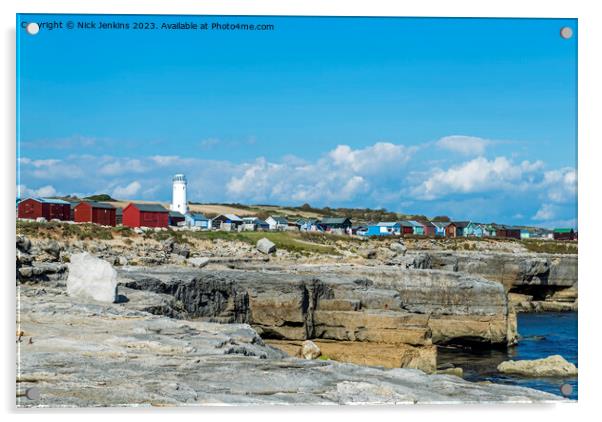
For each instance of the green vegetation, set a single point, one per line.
(292, 242)
(178, 236)
(303, 243)
(551, 246)
(124, 231)
(64, 230)
(101, 197)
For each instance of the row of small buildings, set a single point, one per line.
(155, 215)
(102, 213)
(462, 229)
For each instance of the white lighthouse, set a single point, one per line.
(178, 198)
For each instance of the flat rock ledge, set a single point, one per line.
(79, 352)
(552, 366)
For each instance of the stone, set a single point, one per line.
(345, 303)
(178, 259)
(266, 246)
(458, 372)
(23, 243)
(168, 244)
(367, 353)
(91, 278)
(368, 253)
(309, 350)
(552, 366)
(26, 272)
(181, 249)
(421, 261)
(23, 258)
(52, 248)
(398, 248)
(198, 262)
(41, 220)
(339, 305)
(86, 347)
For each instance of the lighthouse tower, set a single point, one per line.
(178, 199)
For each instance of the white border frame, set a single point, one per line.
(590, 141)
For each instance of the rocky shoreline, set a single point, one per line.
(85, 353)
(377, 308)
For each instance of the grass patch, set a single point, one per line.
(291, 242)
(551, 246)
(64, 230)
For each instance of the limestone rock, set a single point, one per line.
(309, 350)
(87, 347)
(266, 246)
(398, 248)
(91, 278)
(53, 248)
(368, 253)
(552, 366)
(458, 372)
(23, 243)
(359, 303)
(182, 250)
(198, 262)
(23, 258)
(26, 272)
(171, 246)
(421, 261)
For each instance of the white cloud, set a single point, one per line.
(340, 175)
(477, 175)
(39, 163)
(25, 192)
(165, 160)
(50, 169)
(545, 213)
(373, 159)
(123, 166)
(126, 192)
(259, 180)
(382, 174)
(561, 185)
(355, 185)
(466, 145)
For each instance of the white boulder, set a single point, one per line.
(310, 350)
(266, 246)
(91, 278)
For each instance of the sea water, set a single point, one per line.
(540, 335)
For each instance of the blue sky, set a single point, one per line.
(472, 118)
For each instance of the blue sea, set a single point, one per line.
(541, 335)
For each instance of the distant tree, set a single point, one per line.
(305, 207)
(100, 197)
(443, 218)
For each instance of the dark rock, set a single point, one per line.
(23, 243)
